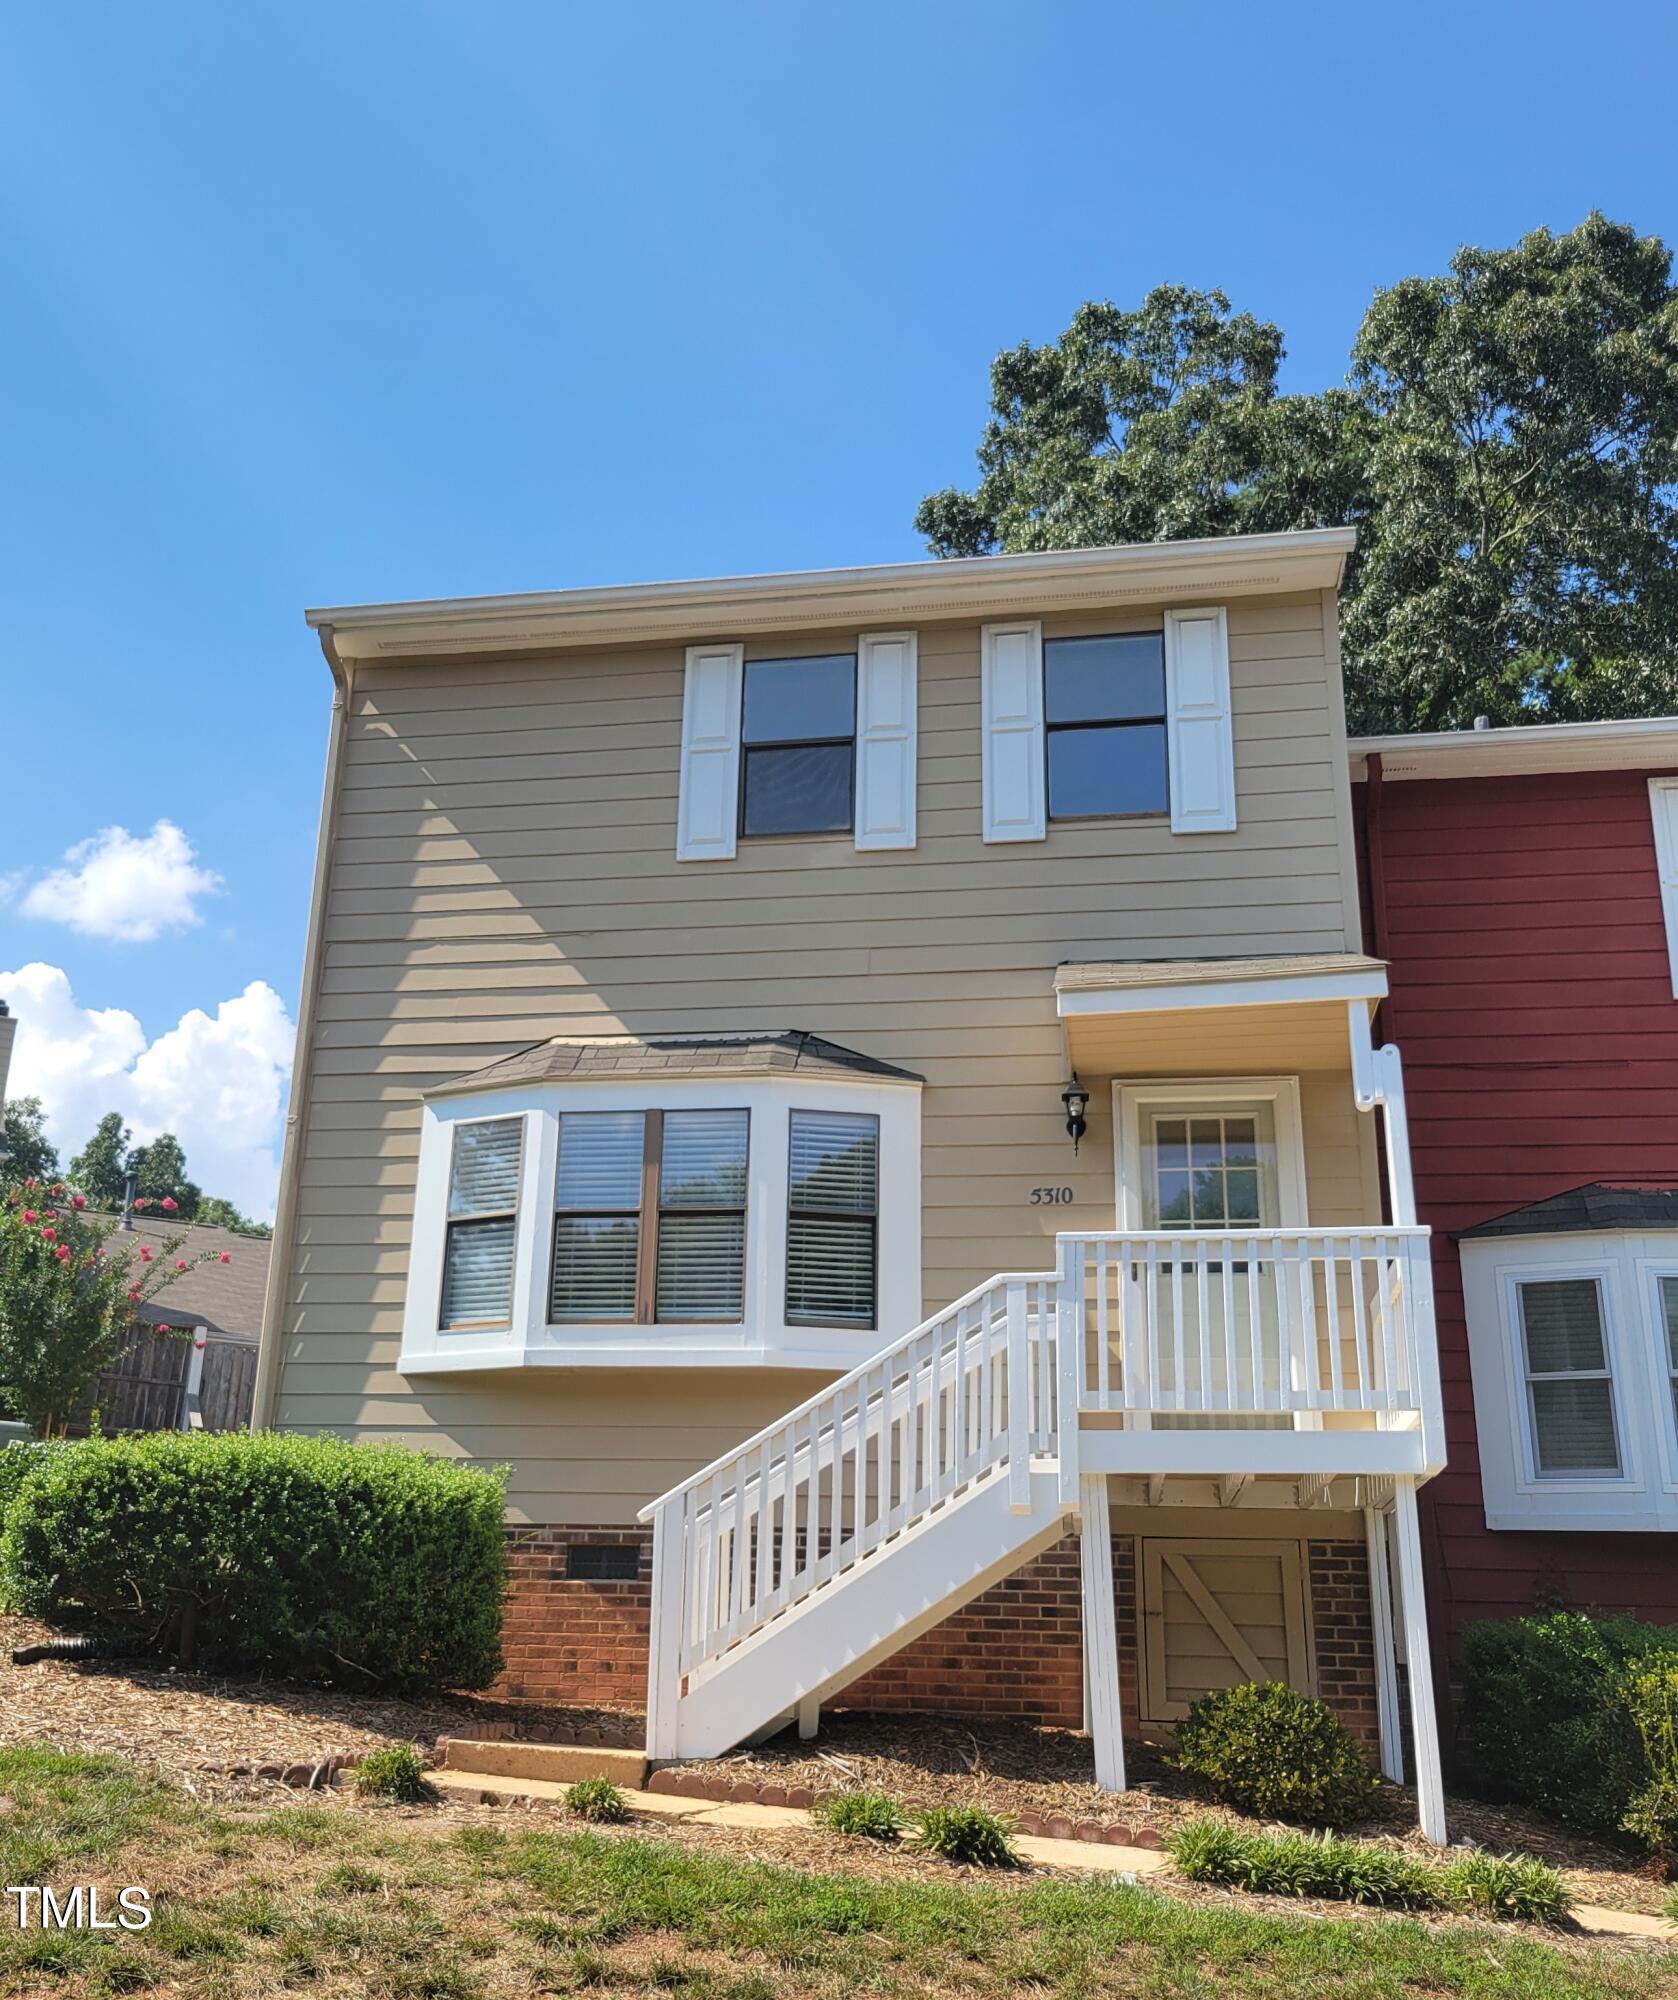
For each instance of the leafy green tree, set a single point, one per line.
(30, 1154)
(1506, 445)
(99, 1167)
(214, 1213)
(162, 1176)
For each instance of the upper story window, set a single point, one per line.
(1569, 1388)
(650, 1217)
(1104, 715)
(798, 745)
(482, 1223)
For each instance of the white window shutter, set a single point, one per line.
(1663, 804)
(1200, 730)
(885, 739)
(1015, 775)
(708, 810)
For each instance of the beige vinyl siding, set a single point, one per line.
(504, 870)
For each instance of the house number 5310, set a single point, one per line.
(1050, 1197)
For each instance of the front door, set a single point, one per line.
(1217, 1613)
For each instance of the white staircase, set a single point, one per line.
(858, 1521)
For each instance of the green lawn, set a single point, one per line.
(349, 1901)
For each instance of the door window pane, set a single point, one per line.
(1214, 1170)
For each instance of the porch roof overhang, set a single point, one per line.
(1227, 1016)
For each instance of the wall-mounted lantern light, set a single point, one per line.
(1077, 1101)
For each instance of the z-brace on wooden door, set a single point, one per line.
(1217, 1613)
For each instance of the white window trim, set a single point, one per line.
(763, 1337)
(1663, 809)
(1643, 1498)
(1280, 1093)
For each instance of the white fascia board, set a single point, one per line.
(1290, 1453)
(610, 1352)
(1638, 743)
(1210, 569)
(1306, 987)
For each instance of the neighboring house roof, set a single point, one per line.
(1109, 975)
(1645, 743)
(1600, 1205)
(1190, 571)
(783, 1054)
(225, 1298)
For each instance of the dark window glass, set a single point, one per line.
(799, 733)
(1104, 705)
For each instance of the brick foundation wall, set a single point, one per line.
(569, 1641)
(1014, 1653)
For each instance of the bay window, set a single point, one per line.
(482, 1227)
(1570, 1392)
(650, 1216)
(832, 1219)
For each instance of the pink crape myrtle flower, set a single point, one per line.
(165, 1327)
(49, 1232)
(29, 1215)
(78, 1201)
(62, 1253)
(145, 1253)
(170, 1203)
(224, 1258)
(180, 1263)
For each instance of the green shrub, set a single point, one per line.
(1505, 1885)
(370, 1565)
(1545, 1714)
(394, 1773)
(968, 1834)
(1301, 1864)
(18, 1460)
(1268, 1750)
(868, 1815)
(597, 1799)
(1650, 1691)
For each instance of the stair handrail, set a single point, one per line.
(725, 1460)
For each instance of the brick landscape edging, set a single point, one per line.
(746, 1792)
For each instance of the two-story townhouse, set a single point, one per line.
(1523, 885)
(858, 1086)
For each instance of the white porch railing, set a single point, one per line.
(1267, 1329)
(1263, 1327)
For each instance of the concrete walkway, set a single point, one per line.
(1080, 1857)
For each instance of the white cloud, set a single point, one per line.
(216, 1081)
(131, 887)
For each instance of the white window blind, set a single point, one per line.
(482, 1224)
(1570, 1393)
(702, 1216)
(597, 1227)
(832, 1219)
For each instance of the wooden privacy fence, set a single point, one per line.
(146, 1390)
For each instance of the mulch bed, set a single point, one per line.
(1016, 1768)
(197, 1725)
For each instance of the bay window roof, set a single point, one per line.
(607, 1058)
(1600, 1205)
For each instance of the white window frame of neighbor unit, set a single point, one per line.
(1199, 725)
(764, 1336)
(885, 724)
(1642, 1496)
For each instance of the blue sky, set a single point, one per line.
(321, 303)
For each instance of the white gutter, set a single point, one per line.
(1636, 743)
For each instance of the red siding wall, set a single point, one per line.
(1531, 999)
